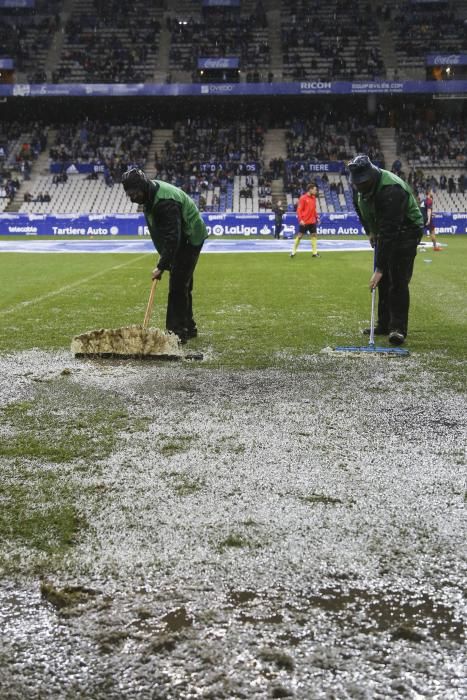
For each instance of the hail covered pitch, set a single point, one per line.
(254, 534)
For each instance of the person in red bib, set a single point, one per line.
(307, 215)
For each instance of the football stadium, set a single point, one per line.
(233, 254)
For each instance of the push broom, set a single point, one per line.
(130, 342)
(371, 347)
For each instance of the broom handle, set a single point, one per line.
(147, 315)
(372, 321)
(373, 297)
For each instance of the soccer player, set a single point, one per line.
(178, 233)
(426, 205)
(307, 216)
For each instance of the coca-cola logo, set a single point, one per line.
(454, 59)
(217, 63)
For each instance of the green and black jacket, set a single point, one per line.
(172, 218)
(390, 214)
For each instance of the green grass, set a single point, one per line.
(48, 521)
(44, 442)
(253, 310)
(182, 484)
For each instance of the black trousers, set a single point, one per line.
(179, 317)
(393, 288)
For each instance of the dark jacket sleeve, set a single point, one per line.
(358, 212)
(168, 215)
(391, 206)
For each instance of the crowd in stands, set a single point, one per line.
(422, 180)
(8, 185)
(111, 44)
(335, 40)
(209, 152)
(20, 145)
(219, 33)
(116, 42)
(42, 197)
(113, 147)
(431, 27)
(26, 35)
(206, 155)
(429, 140)
(322, 138)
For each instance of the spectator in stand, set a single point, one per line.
(461, 183)
(426, 206)
(397, 167)
(307, 216)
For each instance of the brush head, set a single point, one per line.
(130, 341)
(402, 352)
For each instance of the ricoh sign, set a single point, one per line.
(309, 86)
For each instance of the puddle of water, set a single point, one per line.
(392, 610)
(240, 598)
(177, 619)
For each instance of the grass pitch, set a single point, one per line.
(253, 310)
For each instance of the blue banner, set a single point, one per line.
(218, 63)
(73, 168)
(7, 63)
(332, 166)
(306, 87)
(221, 3)
(452, 59)
(17, 3)
(240, 168)
(98, 225)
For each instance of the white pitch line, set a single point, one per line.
(37, 300)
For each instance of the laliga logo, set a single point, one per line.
(113, 230)
(218, 230)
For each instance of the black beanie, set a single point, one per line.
(135, 179)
